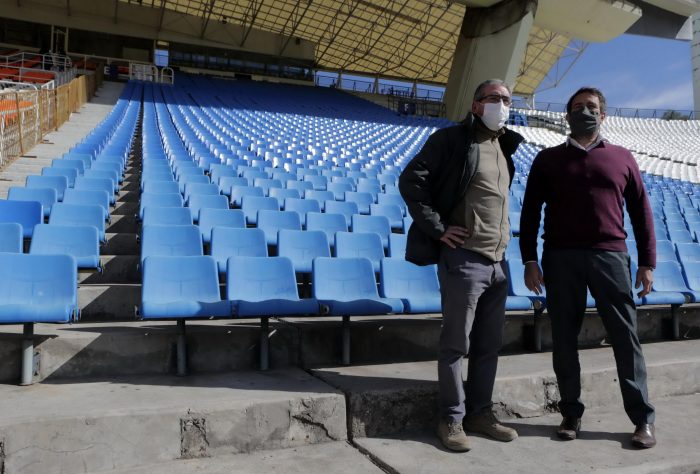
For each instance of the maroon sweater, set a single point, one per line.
(584, 193)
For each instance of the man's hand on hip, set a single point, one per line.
(645, 277)
(533, 277)
(454, 236)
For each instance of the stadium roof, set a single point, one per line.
(403, 39)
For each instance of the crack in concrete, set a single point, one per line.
(306, 420)
(2, 456)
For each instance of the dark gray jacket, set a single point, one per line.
(437, 178)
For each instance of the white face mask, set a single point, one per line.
(495, 115)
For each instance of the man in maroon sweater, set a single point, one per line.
(584, 183)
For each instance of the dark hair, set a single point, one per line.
(587, 90)
(478, 93)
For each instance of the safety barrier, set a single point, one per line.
(27, 115)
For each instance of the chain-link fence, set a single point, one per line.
(27, 115)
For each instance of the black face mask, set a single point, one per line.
(584, 123)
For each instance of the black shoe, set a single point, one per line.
(569, 428)
(643, 436)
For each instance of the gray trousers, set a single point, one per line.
(474, 291)
(567, 274)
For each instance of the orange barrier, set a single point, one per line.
(26, 116)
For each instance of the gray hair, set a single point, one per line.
(478, 94)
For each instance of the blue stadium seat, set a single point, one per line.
(239, 192)
(69, 173)
(328, 223)
(78, 215)
(156, 200)
(46, 196)
(320, 196)
(198, 202)
(397, 246)
(271, 222)
(266, 184)
(665, 251)
(200, 188)
(177, 287)
(347, 209)
(392, 199)
(377, 224)
(226, 183)
(265, 286)
(167, 216)
(101, 174)
(668, 287)
(339, 190)
(688, 252)
(170, 240)
(301, 186)
(302, 246)
(210, 218)
(691, 272)
(37, 289)
(234, 242)
(347, 287)
(282, 193)
(11, 237)
(26, 213)
(181, 287)
(161, 187)
(96, 184)
(302, 206)
(79, 241)
(88, 197)
(59, 183)
(363, 200)
(319, 182)
(416, 286)
(252, 204)
(77, 165)
(361, 244)
(391, 212)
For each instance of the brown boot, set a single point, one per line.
(452, 436)
(644, 436)
(569, 428)
(486, 423)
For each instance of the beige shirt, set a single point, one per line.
(484, 209)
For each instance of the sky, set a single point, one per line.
(632, 71)
(635, 72)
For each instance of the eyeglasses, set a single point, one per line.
(496, 98)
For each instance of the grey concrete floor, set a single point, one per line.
(603, 446)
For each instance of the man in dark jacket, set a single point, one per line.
(456, 189)
(584, 183)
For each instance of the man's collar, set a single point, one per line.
(570, 141)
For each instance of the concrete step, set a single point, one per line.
(116, 269)
(121, 243)
(104, 341)
(337, 457)
(92, 426)
(602, 447)
(123, 224)
(107, 350)
(393, 398)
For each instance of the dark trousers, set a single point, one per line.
(474, 291)
(567, 274)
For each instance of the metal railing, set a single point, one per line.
(27, 115)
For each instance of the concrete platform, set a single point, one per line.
(603, 446)
(338, 458)
(127, 422)
(394, 398)
(103, 343)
